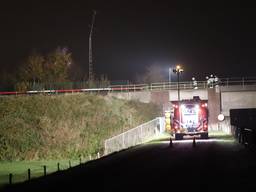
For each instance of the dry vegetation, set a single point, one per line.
(64, 126)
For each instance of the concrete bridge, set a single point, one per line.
(221, 97)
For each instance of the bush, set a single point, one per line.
(64, 126)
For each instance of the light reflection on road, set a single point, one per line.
(201, 140)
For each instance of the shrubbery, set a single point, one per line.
(64, 126)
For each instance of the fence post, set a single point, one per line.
(141, 133)
(98, 155)
(29, 174)
(123, 141)
(194, 141)
(170, 144)
(10, 178)
(105, 147)
(44, 170)
(58, 166)
(90, 157)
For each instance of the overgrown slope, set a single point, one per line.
(64, 126)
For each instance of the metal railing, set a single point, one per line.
(158, 86)
(184, 85)
(238, 81)
(134, 136)
(174, 85)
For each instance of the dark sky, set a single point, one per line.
(204, 37)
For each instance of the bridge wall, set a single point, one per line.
(142, 96)
(188, 94)
(158, 97)
(214, 108)
(220, 100)
(237, 100)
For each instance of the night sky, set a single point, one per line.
(205, 38)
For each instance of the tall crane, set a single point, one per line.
(91, 77)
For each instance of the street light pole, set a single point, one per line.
(178, 70)
(178, 75)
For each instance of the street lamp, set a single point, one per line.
(178, 70)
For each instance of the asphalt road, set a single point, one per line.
(212, 165)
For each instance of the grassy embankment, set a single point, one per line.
(38, 130)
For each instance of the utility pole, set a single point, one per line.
(91, 77)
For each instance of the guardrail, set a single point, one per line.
(134, 136)
(147, 87)
(236, 81)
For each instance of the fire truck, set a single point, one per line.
(189, 118)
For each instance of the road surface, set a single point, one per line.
(212, 165)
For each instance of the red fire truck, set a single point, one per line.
(190, 118)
